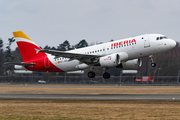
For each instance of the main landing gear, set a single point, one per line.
(106, 75)
(153, 64)
(91, 74)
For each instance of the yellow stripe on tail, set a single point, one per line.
(20, 34)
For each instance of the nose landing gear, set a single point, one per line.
(153, 64)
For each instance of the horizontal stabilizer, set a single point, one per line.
(23, 71)
(22, 64)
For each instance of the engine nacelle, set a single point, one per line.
(132, 64)
(110, 60)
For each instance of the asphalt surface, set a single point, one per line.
(150, 97)
(129, 87)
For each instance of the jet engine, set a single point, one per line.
(132, 64)
(110, 60)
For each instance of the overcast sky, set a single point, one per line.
(50, 22)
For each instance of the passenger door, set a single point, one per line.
(146, 41)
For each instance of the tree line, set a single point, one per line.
(65, 46)
(168, 63)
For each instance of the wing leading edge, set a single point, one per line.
(86, 58)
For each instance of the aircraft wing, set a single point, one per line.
(86, 58)
(18, 63)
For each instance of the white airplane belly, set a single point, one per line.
(68, 66)
(64, 65)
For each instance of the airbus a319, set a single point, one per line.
(124, 53)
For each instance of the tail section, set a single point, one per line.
(28, 49)
(33, 59)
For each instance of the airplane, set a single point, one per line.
(125, 53)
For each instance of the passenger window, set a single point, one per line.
(107, 48)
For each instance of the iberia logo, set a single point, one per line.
(109, 58)
(123, 42)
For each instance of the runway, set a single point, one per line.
(155, 97)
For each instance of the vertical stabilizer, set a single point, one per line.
(28, 49)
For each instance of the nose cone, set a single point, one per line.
(173, 43)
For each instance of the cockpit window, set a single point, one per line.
(161, 37)
(164, 37)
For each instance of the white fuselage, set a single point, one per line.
(128, 49)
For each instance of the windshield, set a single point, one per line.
(161, 37)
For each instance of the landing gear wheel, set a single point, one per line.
(91, 74)
(106, 75)
(153, 64)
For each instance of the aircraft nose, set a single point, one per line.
(173, 43)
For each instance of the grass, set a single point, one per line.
(88, 89)
(79, 109)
